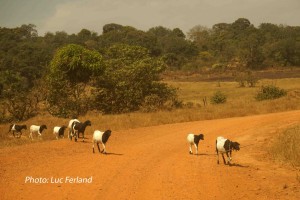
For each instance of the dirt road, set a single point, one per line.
(154, 163)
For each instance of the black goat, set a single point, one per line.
(78, 127)
(17, 128)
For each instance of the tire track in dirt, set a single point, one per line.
(154, 163)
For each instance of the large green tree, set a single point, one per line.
(131, 78)
(71, 69)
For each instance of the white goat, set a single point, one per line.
(59, 131)
(70, 126)
(36, 129)
(194, 140)
(100, 137)
(226, 146)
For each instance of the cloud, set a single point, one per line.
(74, 15)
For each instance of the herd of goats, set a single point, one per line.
(223, 145)
(75, 128)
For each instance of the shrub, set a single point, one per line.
(218, 98)
(270, 92)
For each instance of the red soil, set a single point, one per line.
(154, 163)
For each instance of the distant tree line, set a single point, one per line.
(243, 45)
(118, 70)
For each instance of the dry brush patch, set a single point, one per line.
(286, 146)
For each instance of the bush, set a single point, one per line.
(218, 98)
(270, 92)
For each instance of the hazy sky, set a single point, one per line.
(73, 15)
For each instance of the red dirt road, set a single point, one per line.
(154, 163)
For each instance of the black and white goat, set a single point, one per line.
(70, 127)
(34, 129)
(17, 128)
(194, 140)
(101, 137)
(226, 146)
(78, 127)
(59, 131)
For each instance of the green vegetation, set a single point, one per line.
(218, 98)
(120, 81)
(270, 92)
(119, 71)
(71, 69)
(130, 81)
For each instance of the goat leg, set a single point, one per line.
(98, 147)
(229, 158)
(223, 159)
(104, 150)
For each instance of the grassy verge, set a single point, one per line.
(286, 148)
(240, 102)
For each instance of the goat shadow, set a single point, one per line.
(202, 154)
(238, 165)
(111, 154)
(87, 142)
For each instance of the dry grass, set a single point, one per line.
(240, 102)
(286, 147)
(195, 91)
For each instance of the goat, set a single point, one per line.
(59, 131)
(70, 127)
(101, 137)
(37, 129)
(78, 127)
(226, 146)
(17, 128)
(194, 140)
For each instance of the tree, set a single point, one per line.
(178, 33)
(71, 68)
(159, 31)
(201, 36)
(111, 27)
(240, 24)
(131, 76)
(16, 97)
(87, 38)
(250, 51)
